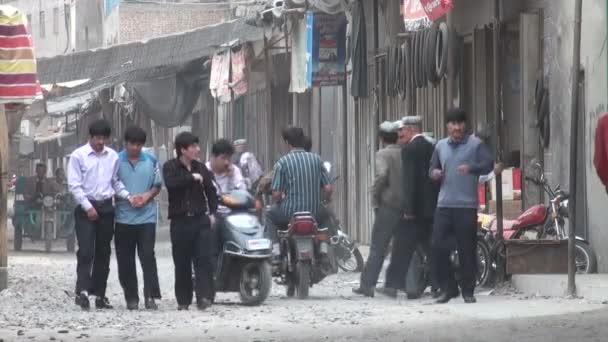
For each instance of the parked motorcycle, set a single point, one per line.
(244, 260)
(306, 255)
(540, 222)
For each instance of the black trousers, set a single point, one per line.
(128, 239)
(459, 225)
(94, 251)
(387, 222)
(192, 245)
(406, 239)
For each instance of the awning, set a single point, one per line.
(67, 104)
(142, 60)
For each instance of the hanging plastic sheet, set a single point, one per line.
(169, 101)
(358, 52)
(435, 9)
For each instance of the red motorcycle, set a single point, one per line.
(540, 222)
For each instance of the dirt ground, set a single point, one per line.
(38, 307)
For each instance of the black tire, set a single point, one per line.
(354, 263)
(262, 283)
(48, 237)
(417, 279)
(303, 269)
(585, 258)
(71, 243)
(441, 53)
(485, 272)
(18, 238)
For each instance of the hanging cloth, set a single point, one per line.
(298, 57)
(358, 47)
(220, 76)
(240, 57)
(18, 72)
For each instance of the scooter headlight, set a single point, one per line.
(48, 201)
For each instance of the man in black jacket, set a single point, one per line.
(193, 202)
(419, 203)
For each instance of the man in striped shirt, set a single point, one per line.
(298, 184)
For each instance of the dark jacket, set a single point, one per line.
(419, 191)
(188, 197)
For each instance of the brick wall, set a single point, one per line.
(140, 21)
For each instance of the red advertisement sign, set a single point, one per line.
(414, 15)
(436, 9)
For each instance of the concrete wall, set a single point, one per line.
(140, 21)
(54, 39)
(89, 25)
(557, 44)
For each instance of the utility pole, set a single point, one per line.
(576, 62)
(4, 150)
(498, 134)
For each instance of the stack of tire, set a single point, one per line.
(421, 61)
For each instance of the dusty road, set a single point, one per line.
(37, 307)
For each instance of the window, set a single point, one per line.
(86, 37)
(56, 20)
(42, 25)
(29, 22)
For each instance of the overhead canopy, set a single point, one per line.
(139, 61)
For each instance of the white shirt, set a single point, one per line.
(93, 176)
(253, 169)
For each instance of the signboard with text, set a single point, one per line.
(436, 9)
(326, 49)
(414, 16)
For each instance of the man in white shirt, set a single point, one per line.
(93, 181)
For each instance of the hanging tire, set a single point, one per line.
(255, 283)
(417, 278)
(48, 237)
(441, 50)
(585, 258)
(18, 238)
(303, 270)
(485, 272)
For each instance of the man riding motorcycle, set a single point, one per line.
(299, 183)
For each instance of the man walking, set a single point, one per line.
(136, 225)
(457, 163)
(191, 196)
(386, 201)
(419, 203)
(93, 181)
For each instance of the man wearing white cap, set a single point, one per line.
(386, 201)
(248, 163)
(418, 205)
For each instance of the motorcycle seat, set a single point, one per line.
(506, 225)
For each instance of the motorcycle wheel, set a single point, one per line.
(484, 264)
(303, 270)
(352, 261)
(585, 259)
(255, 283)
(18, 238)
(48, 237)
(417, 278)
(71, 243)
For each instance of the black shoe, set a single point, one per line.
(182, 307)
(387, 291)
(364, 291)
(151, 304)
(435, 293)
(103, 303)
(203, 304)
(132, 305)
(469, 299)
(446, 297)
(82, 300)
